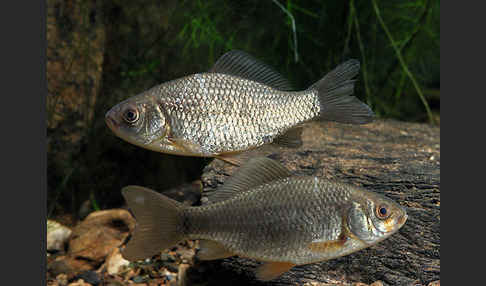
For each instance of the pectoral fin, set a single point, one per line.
(329, 245)
(186, 147)
(272, 270)
(210, 250)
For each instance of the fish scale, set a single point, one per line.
(269, 109)
(282, 224)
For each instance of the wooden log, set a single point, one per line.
(400, 160)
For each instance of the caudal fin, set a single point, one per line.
(334, 92)
(159, 222)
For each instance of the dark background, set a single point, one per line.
(101, 52)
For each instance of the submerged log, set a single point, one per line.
(400, 160)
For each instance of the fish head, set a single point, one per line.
(375, 217)
(139, 120)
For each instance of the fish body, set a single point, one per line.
(238, 105)
(279, 221)
(266, 214)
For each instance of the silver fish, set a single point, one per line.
(240, 104)
(264, 213)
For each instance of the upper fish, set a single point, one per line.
(241, 103)
(265, 213)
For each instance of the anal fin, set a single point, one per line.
(210, 250)
(271, 270)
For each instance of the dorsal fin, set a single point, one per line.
(239, 63)
(255, 172)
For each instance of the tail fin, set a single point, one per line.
(336, 102)
(159, 222)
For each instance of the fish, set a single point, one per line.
(263, 212)
(241, 103)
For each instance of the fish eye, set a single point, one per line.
(382, 212)
(130, 115)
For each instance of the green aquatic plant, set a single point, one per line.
(399, 52)
(402, 61)
(203, 28)
(292, 21)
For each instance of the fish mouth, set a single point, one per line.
(110, 121)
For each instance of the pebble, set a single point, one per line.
(62, 279)
(57, 235)
(115, 262)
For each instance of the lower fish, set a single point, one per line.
(265, 213)
(239, 104)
